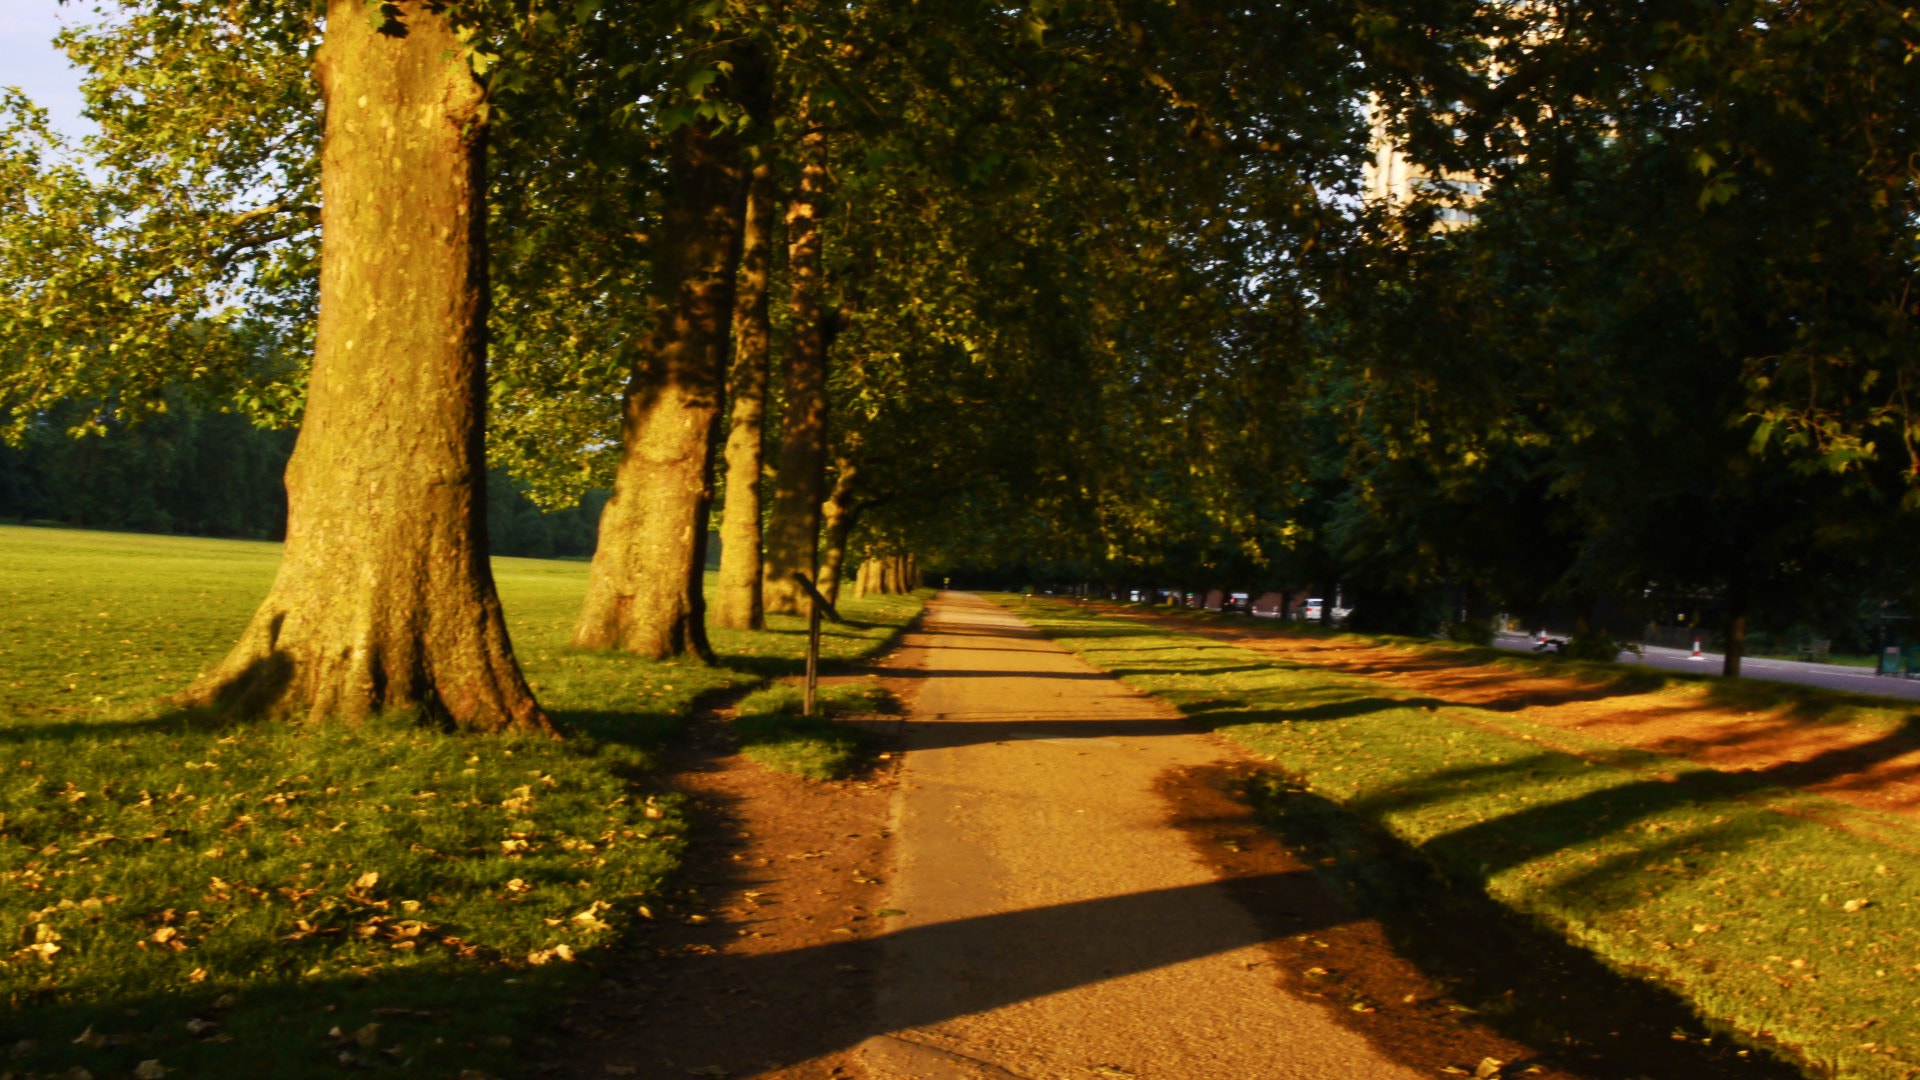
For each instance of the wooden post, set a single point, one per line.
(813, 648)
(817, 606)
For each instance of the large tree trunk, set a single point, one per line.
(385, 599)
(793, 527)
(736, 595)
(842, 511)
(644, 589)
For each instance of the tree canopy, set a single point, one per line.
(1090, 291)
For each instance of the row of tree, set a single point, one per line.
(596, 220)
(1085, 287)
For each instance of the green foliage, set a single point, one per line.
(188, 469)
(1472, 632)
(1779, 915)
(1593, 645)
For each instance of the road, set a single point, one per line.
(1830, 676)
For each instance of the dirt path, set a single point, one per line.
(1058, 884)
(1868, 765)
(1050, 924)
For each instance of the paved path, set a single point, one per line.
(1055, 927)
(1831, 676)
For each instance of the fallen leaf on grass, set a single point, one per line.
(1852, 906)
(150, 1069)
(1488, 1068)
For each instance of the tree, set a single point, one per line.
(644, 592)
(384, 598)
(737, 597)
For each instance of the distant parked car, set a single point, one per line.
(1313, 609)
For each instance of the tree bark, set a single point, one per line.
(384, 598)
(793, 526)
(736, 594)
(644, 592)
(842, 511)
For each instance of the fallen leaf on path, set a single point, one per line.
(1488, 1068)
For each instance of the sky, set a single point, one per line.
(29, 61)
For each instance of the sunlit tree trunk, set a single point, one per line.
(793, 525)
(842, 511)
(385, 599)
(736, 595)
(644, 588)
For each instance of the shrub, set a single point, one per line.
(1471, 632)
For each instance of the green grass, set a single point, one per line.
(1783, 917)
(773, 732)
(1805, 703)
(292, 900)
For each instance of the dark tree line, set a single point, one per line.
(195, 471)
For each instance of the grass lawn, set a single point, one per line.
(775, 732)
(291, 900)
(1783, 917)
(1811, 704)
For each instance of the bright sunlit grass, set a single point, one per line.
(1779, 915)
(293, 899)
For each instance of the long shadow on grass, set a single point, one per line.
(438, 1020)
(1005, 673)
(1222, 711)
(1512, 839)
(1528, 983)
(175, 721)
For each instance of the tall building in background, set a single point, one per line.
(1390, 178)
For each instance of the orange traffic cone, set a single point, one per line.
(1697, 654)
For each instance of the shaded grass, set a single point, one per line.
(247, 899)
(774, 733)
(1783, 917)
